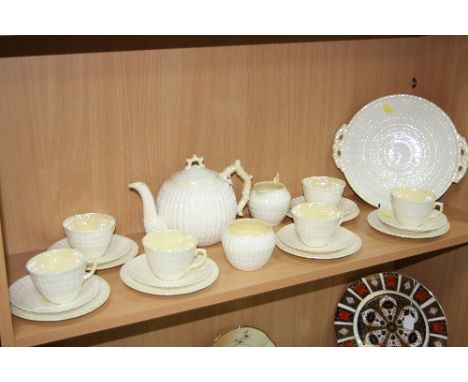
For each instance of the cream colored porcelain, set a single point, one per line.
(269, 201)
(59, 274)
(323, 189)
(348, 208)
(141, 272)
(413, 206)
(171, 254)
(96, 302)
(195, 200)
(90, 232)
(434, 222)
(375, 223)
(248, 243)
(340, 240)
(144, 288)
(348, 251)
(24, 295)
(400, 139)
(121, 249)
(133, 251)
(316, 222)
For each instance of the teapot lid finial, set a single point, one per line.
(193, 159)
(195, 173)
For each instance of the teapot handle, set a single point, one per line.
(246, 178)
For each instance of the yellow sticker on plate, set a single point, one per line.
(388, 109)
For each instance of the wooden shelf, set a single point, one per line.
(126, 306)
(12, 46)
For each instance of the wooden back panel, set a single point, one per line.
(77, 128)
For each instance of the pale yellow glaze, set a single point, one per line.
(169, 240)
(268, 186)
(245, 227)
(57, 260)
(386, 215)
(414, 194)
(323, 182)
(88, 222)
(316, 211)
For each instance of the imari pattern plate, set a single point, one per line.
(389, 309)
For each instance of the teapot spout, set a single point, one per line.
(152, 221)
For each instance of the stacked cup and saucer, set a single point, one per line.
(171, 265)
(329, 190)
(316, 232)
(93, 233)
(413, 213)
(58, 286)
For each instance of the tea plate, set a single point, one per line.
(244, 336)
(375, 223)
(399, 140)
(387, 217)
(174, 291)
(100, 298)
(119, 247)
(139, 270)
(351, 249)
(340, 240)
(24, 295)
(349, 208)
(389, 309)
(121, 260)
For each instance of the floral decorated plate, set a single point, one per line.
(389, 309)
(244, 336)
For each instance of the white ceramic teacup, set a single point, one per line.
(248, 243)
(171, 254)
(414, 206)
(90, 232)
(316, 223)
(269, 201)
(59, 274)
(325, 189)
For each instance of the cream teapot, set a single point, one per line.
(195, 200)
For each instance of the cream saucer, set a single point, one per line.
(119, 247)
(24, 295)
(139, 270)
(351, 249)
(375, 223)
(96, 302)
(340, 240)
(121, 260)
(387, 217)
(207, 281)
(347, 206)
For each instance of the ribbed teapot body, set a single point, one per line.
(203, 210)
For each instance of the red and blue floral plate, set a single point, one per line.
(389, 309)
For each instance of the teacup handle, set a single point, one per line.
(438, 210)
(87, 275)
(197, 264)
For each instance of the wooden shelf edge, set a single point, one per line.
(85, 329)
(17, 46)
(283, 271)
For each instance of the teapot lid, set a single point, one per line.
(195, 174)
